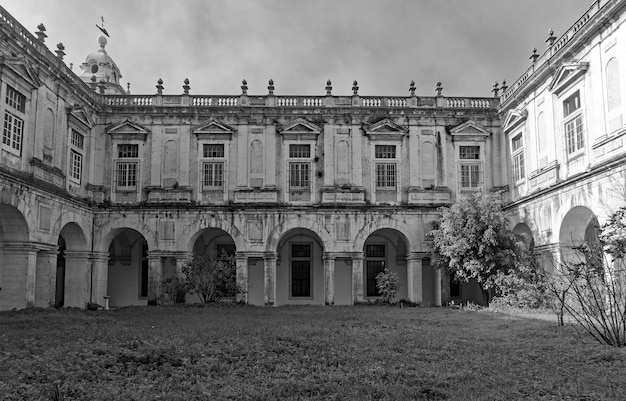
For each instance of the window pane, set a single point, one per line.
(213, 150)
(375, 251)
(299, 174)
(213, 174)
(571, 104)
(385, 175)
(300, 278)
(76, 161)
(12, 131)
(300, 250)
(300, 151)
(127, 174)
(373, 268)
(385, 152)
(469, 152)
(15, 99)
(127, 151)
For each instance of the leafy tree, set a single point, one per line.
(472, 240)
(211, 278)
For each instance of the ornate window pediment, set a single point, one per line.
(22, 69)
(566, 75)
(300, 129)
(80, 116)
(385, 129)
(514, 119)
(127, 130)
(213, 129)
(469, 130)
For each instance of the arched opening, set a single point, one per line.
(13, 235)
(128, 274)
(299, 268)
(384, 248)
(523, 232)
(72, 269)
(579, 230)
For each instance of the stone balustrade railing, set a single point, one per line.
(554, 49)
(298, 101)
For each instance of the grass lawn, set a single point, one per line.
(324, 353)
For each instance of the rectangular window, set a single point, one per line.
(300, 270)
(213, 175)
(76, 163)
(517, 151)
(519, 170)
(213, 150)
(127, 151)
(13, 131)
(469, 152)
(299, 176)
(385, 152)
(470, 176)
(571, 104)
(77, 140)
(16, 100)
(375, 251)
(127, 175)
(300, 151)
(385, 176)
(574, 135)
(374, 267)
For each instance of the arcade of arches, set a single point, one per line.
(299, 266)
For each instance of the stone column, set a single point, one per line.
(77, 278)
(155, 276)
(99, 276)
(329, 279)
(269, 259)
(45, 277)
(357, 277)
(18, 275)
(437, 286)
(241, 261)
(414, 277)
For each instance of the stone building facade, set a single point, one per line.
(564, 125)
(105, 194)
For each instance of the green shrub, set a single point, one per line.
(173, 291)
(388, 284)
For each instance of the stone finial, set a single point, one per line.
(329, 88)
(439, 88)
(534, 56)
(60, 51)
(93, 83)
(102, 86)
(504, 86)
(128, 88)
(270, 87)
(244, 87)
(355, 88)
(412, 88)
(159, 86)
(551, 38)
(495, 89)
(186, 86)
(41, 33)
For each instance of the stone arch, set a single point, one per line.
(579, 226)
(74, 237)
(211, 241)
(14, 235)
(191, 232)
(300, 271)
(113, 227)
(402, 229)
(384, 248)
(12, 221)
(523, 231)
(278, 232)
(128, 273)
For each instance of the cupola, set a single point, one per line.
(100, 71)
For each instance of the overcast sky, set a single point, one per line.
(465, 44)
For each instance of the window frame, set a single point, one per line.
(573, 124)
(299, 170)
(12, 133)
(213, 154)
(371, 290)
(518, 157)
(470, 160)
(309, 259)
(76, 154)
(386, 167)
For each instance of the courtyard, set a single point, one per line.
(222, 352)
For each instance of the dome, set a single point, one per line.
(101, 66)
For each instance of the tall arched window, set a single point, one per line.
(613, 87)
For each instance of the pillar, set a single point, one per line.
(241, 262)
(99, 276)
(269, 260)
(357, 277)
(77, 278)
(18, 275)
(437, 286)
(45, 277)
(414, 277)
(329, 279)
(155, 276)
